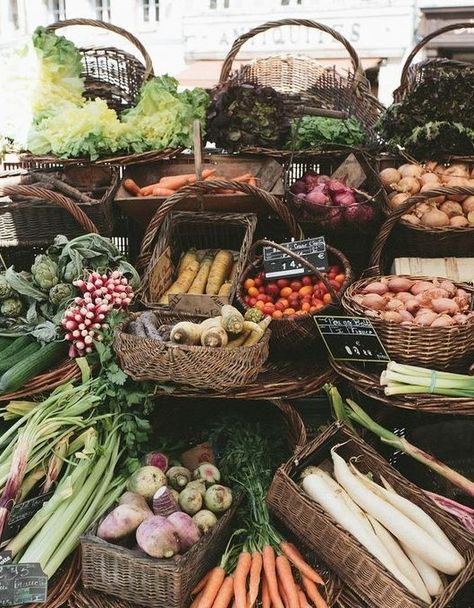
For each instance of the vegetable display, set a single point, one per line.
(330, 201)
(409, 179)
(313, 132)
(422, 302)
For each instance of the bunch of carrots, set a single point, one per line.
(172, 183)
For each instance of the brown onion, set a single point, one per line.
(373, 301)
(459, 291)
(455, 170)
(459, 221)
(468, 204)
(400, 284)
(450, 288)
(412, 305)
(404, 296)
(431, 166)
(430, 178)
(444, 305)
(460, 319)
(434, 219)
(443, 321)
(410, 170)
(434, 200)
(394, 304)
(425, 297)
(408, 184)
(462, 302)
(406, 316)
(458, 181)
(410, 218)
(376, 287)
(451, 208)
(422, 208)
(389, 176)
(398, 199)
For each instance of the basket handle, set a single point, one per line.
(241, 40)
(111, 28)
(57, 199)
(423, 42)
(392, 220)
(303, 261)
(205, 187)
(295, 424)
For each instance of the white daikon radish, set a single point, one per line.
(416, 514)
(398, 524)
(400, 558)
(430, 577)
(330, 499)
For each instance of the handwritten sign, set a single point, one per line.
(22, 584)
(351, 339)
(22, 513)
(280, 265)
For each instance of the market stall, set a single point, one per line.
(224, 379)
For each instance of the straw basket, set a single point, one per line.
(432, 347)
(199, 366)
(298, 333)
(355, 566)
(113, 75)
(419, 241)
(306, 87)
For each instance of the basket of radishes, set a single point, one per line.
(292, 304)
(421, 321)
(332, 204)
(165, 532)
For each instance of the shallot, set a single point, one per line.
(444, 305)
(374, 301)
(400, 284)
(376, 287)
(443, 321)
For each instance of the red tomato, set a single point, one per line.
(283, 283)
(272, 289)
(340, 278)
(317, 302)
(318, 292)
(306, 300)
(306, 281)
(261, 289)
(258, 281)
(268, 309)
(249, 283)
(296, 285)
(327, 298)
(280, 305)
(306, 290)
(335, 284)
(253, 292)
(335, 269)
(262, 297)
(277, 314)
(252, 301)
(321, 285)
(285, 292)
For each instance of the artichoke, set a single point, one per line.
(11, 307)
(5, 289)
(61, 292)
(45, 272)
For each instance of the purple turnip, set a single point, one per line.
(218, 498)
(186, 529)
(157, 537)
(164, 502)
(190, 500)
(137, 501)
(146, 481)
(120, 523)
(205, 520)
(157, 459)
(208, 473)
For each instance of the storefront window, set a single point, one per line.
(102, 10)
(57, 9)
(151, 11)
(13, 14)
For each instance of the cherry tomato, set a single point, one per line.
(288, 312)
(284, 302)
(262, 297)
(258, 281)
(306, 300)
(300, 313)
(296, 285)
(283, 283)
(253, 292)
(318, 292)
(307, 290)
(249, 283)
(272, 289)
(277, 314)
(340, 278)
(261, 289)
(327, 299)
(285, 292)
(306, 306)
(307, 280)
(335, 269)
(252, 301)
(259, 304)
(268, 309)
(335, 284)
(317, 302)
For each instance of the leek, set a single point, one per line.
(408, 379)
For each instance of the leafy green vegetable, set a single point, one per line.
(246, 115)
(23, 286)
(315, 131)
(440, 136)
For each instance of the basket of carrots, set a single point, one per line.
(220, 352)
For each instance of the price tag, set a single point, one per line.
(5, 557)
(22, 513)
(351, 339)
(22, 584)
(279, 265)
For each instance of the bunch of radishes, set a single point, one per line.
(330, 200)
(84, 319)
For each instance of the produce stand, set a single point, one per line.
(213, 383)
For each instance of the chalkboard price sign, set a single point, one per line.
(279, 265)
(351, 339)
(22, 584)
(22, 513)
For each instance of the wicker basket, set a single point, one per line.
(432, 347)
(418, 241)
(113, 75)
(149, 250)
(199, 366)
(355, 566)
(300, 332)
(367, 382)
(156, 583)
(307, 87)
(29, 219)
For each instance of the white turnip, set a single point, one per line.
(178, 477)
(205, 520)
(218, 499)
(208, 472)
(146, 481)
(190, 500)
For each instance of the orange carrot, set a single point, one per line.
(226, 593)
(214, 583)
(241, 178)
(208, 173)
(302, 599)
(285, 575)
(252, 181)
(313, 593)
(201, 583)
(175, 182)
(297, 560)
(240, 579)
(265, 593)
(254, 582)
(283, 596)
(270, 572)
(197, 600)
(132, 187)
(160, 191)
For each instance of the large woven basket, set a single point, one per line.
(199, 366)
(307, 87)
(342, 552)
(404, 240)
(113, 75)
(28, 219)
(432, 347)
(291, 335)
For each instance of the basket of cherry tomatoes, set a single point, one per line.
(293, 302)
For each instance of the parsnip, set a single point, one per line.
(232, 320)
(183, 282)
(214, 337)
(199, 284)
(220, 269)
(186, 259)
(186, 332)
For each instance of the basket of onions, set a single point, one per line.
(332, 204)
(421, 321)
(434, 204)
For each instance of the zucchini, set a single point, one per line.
(17, 345)
(4, 342)
(24, 353)
(18, 375)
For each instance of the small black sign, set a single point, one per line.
(279, 265)
(22, 513)
(351, 339)
(5, 557)
(22, 584)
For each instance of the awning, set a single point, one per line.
(205, 73)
